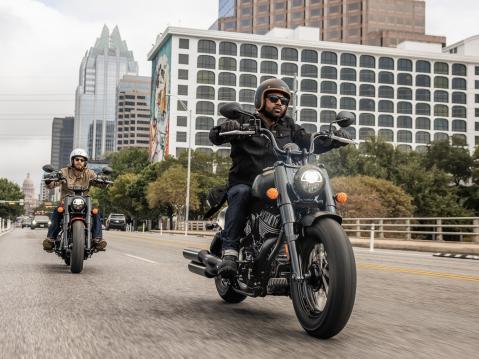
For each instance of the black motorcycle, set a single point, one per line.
(74, 242)
(293, 243)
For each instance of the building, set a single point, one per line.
(44, 195)
(409, 95)
(133, 112)
(62, 141)
(368, 22)
(28, 189)
(101, 69)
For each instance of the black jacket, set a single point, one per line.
(251, 155)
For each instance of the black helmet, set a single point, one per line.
(270, 85)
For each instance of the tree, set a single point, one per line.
(128, 160)
(10, 191)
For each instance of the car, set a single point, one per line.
(26, 222)
(40, 221)
(116, 221)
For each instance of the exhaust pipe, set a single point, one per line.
(202, 262)
(199, 269)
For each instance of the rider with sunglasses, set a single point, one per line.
(75, 175)
(250, 155)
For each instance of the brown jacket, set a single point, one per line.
(73, 181)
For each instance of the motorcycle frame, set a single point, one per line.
(68, 219)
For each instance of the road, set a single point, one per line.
(137, 300)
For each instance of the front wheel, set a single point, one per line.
(324, 300)
(78, 247)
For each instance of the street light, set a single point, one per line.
(188, 176)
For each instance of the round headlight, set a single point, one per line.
(78, 204)
(308, 181)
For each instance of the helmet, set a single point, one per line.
(78, 152)
(270, 85)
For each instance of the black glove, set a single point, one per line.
(230, 125)
(47, 182)
(341, 133)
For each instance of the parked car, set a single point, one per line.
(40, 221)
(26, 222)
(116, 221)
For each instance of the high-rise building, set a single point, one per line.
(133, 112)
(101, 69)
(410, 95)
(368, 22)
(62, 141)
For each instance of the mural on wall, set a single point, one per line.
(159, 127)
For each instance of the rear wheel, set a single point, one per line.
(323, 302)
(77, 254)
(226, 292)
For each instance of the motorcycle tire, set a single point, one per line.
(323, 303)
(226, 292)
(77, 254)
(67, 260)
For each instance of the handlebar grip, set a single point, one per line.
(342, 139)
(237, 132)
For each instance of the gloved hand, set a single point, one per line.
(341, 133)
(230, 125)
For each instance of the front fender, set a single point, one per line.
(308, 221)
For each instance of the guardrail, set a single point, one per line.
(5, 225)
(412, 228)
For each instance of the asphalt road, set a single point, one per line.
(138, 300)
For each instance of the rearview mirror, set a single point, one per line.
(345, 118)
(48, 168)
(107, 170)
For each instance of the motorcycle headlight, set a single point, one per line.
(34, 222)
(78, 204)
(308, 181)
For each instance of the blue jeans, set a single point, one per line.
(236, 216)
(56, 220)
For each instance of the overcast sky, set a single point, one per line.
(43, 41)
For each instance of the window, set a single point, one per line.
(309, 100)
(352, 132)
(247, 65)
(226, 94)
(423, 137)
(205, 108)
(441, 96)
(367, 76)
(423, 66)
(458, 84)
(309, 71)
(423, 95)
(204, 123)
(460, 97)
(404, 107)
(386, 106)
(459, 111)
(182, 74)
(441, 68)
(183, 59)
(327, 116)
(247, 81)
(441, 82)
(441, 110)
(404, 93)
(441, 136)
(367, 119)
(348, 74)
(329, 87)
(423, 81)
(385, 121)
(328, 57)
(184, 44)
(367, 105)
(183, 90)
(328, 72)
(269, 67)
(348, 60)
(459, 70)
(367, 90)
(206, 62)
(249, 50)
(202, 139)
(386, 63)
(347, 103)
(309, 56)
(386, 77)
(310, 86)
(367, 61)
(227, 63)
(181, 137)
(348, 88)
(289, 81)
(423, 123)
(405, 79)
(386, 135)
(207, 46)
(386, 92)
(459, 140)
(309, 127)
(423, 109)
(205, 77)
(246, 95)
(269, 52)
(365, 133)
(459, 125)
(404, 136)
(182, 121)
(288, 68)
(404, 65)
(476, 126)
(328, 102)
(228, 48)
(227, 79)
(289, 54)
(308, 115)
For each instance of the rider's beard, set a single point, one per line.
(272, 115)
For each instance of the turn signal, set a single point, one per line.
(272, 193)
(60, 209)
(341, 197)
(94, 211)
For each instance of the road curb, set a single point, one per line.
(456, 256)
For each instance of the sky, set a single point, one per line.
(42, 43)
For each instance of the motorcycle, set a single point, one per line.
(293, 243)
(74, 242)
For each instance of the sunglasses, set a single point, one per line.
(79, 159)
(275, 98)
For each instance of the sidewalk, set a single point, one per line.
(420, 246)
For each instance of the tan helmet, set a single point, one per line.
(270, 85)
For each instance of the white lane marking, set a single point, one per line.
(141, 259)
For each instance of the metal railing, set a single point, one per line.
(5, 225)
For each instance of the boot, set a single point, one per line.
(99, 244)
(228, 267)
(48, 244)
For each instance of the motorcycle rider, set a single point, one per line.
(75, 175)
(250, 155)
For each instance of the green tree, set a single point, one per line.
(10, 191)
(128, 160)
